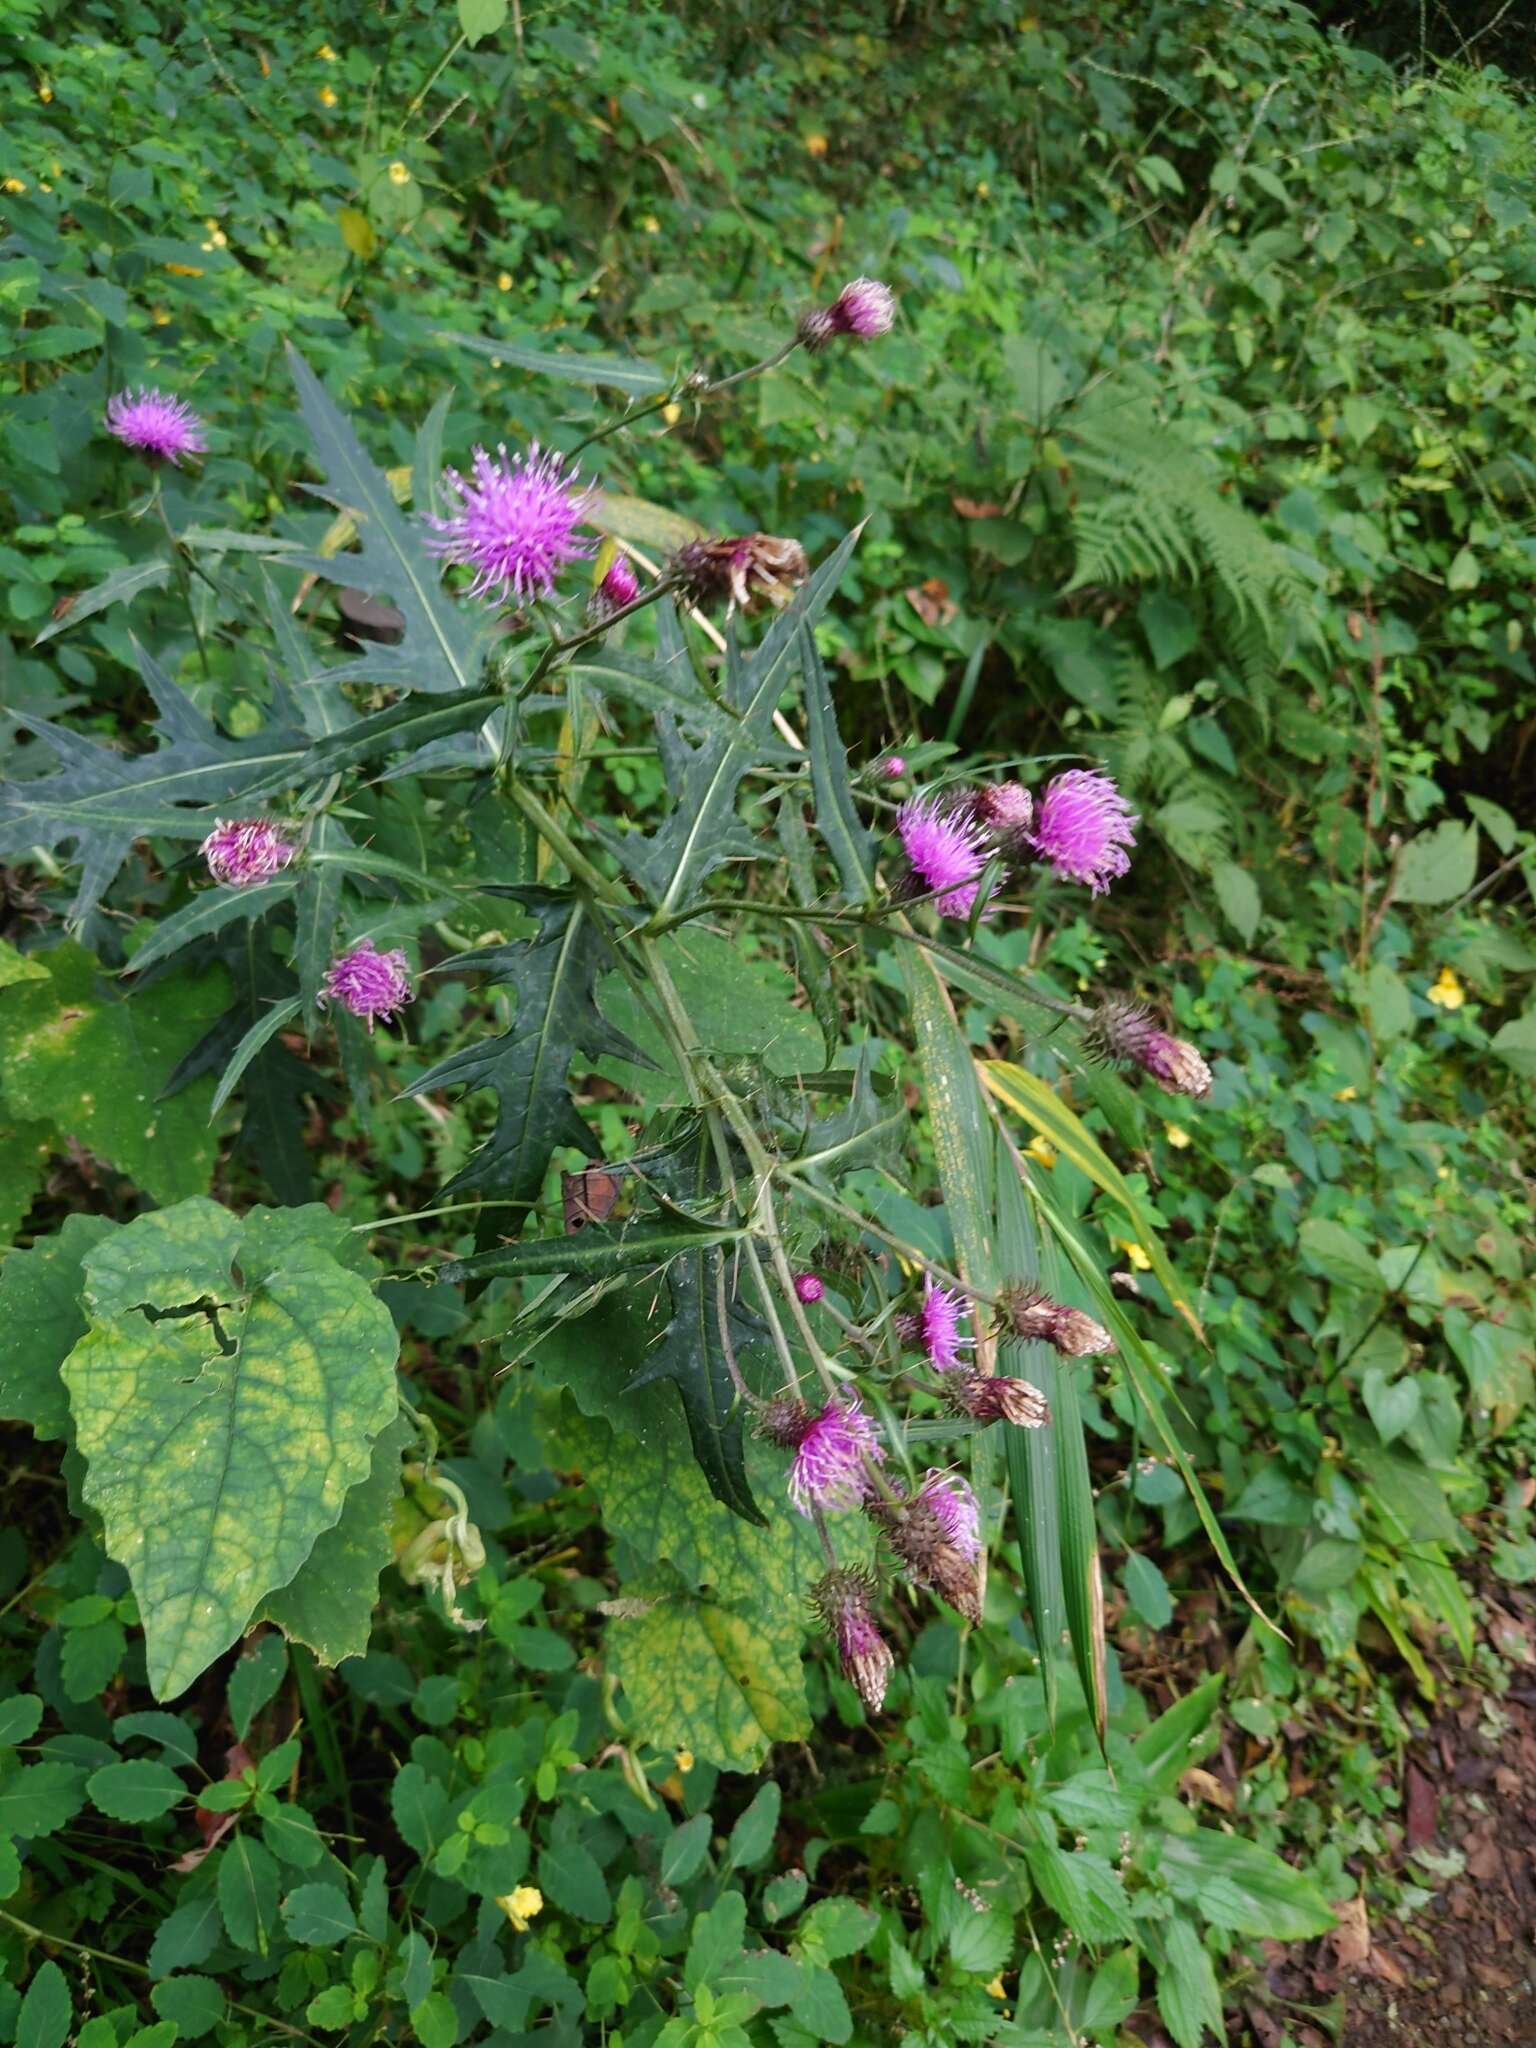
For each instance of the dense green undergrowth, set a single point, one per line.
(1199, 449)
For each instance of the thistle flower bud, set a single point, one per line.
(1126, 1031)
(993, 1397)
(1034, 1317)
(843, 1600)
(863, 310)
(783, 1421)
(740, 570)
(369, 983)
(618, 589)
(816, 327)
(893, 767)
(935, 1534)
(808, 1287)
(1006, 810)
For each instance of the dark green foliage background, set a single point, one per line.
(1203, 444)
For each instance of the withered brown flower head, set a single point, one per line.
(1034, 1317)
(993, 1397)
(740, 570)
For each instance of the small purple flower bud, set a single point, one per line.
(816, 328)
(514, 523)
(946, 853)
(893, 767)
(1124, 1030)
(808, 1287)
(832, 1452)
(993, 1397)
(1006, 810)
(617, 591)
(368, 983)
(864, 309)
(1084, 828)
(740, 570)
(1034, 1318)
(243, 851)
(163, 428)
(843, 1600)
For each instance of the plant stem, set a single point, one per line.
(179, 563)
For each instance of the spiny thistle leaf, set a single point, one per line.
(553, 976)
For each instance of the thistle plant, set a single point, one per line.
(807, 1378)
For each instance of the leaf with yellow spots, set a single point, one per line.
(223, 1421)
(76, 1053)
(701, 1674)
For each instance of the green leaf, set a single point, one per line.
(329, 1602)
(1081, 1579)
(716, 1941)
(115, 589)
(692, 1354)
(554, 975)
(593, 1253)
(1515, 1044)
(138, 1790)
(571, 1876)
(1338, 1253)
(442, 644)
(73, 1030)
(319, 1915)
(402, 728)
(434, 2022)
(260, 1034)
(614, 373)
(683, 1852)
(331, 2008)
(1180, 1736)
(1238, 894)
(46, 2013)
(1188, 1996)
(20, 1717)
(1084, 1889)
(186, 1937)
(41, 1321)
(38, 1799)
(208, 912)
(671, 689)
(194, 2005)
(756, 1826)
(1147, 1591)
(1437, 866)
(219, 1444)
(248, 1888)
(260, 1670)
(1243, 1887)
(481, 18)
(837, 816)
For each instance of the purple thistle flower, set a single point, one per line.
(1084, 828)
(864, 309)
(830, 1455)
(842, 1599)
(163, 428)
(514, 523)
(946, 850)
(1124, 1030)
(369, 983)
(1006, 809)
(242, 851)
(617, 591)
(954, 1508)
(936, 1326)
(808, 1287)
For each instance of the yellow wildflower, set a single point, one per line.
(326, 53)
(983, 189)
(327, 97)
(160, 317)
(995, 1988)
(399, 173)
(815, 145)
(1176, 1135)
(1135, 1254)
(1447, 992)
(1345, 1094)
(45, 93)
(13, 185)
(504, 281)
(671, 414)
(1038, 1150)
(651, 224)
(684, 1761)
(521, 1906)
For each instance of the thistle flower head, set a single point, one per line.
(1084, 828)
(843, 1600)
(1034, 1318)
(993, 1397)
(893, 767)
(1006, 810)
(935, 1533)
(243, 851)
(1124, 1030)
(950, 1500)
(617, 591)
(831, 1453)
(368, 983)
(782, 1421)
(739, 570)
(159, 426)
(864, 308)
(513, 522)
(946, 852)
(808, 1287)
(935, 1327)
